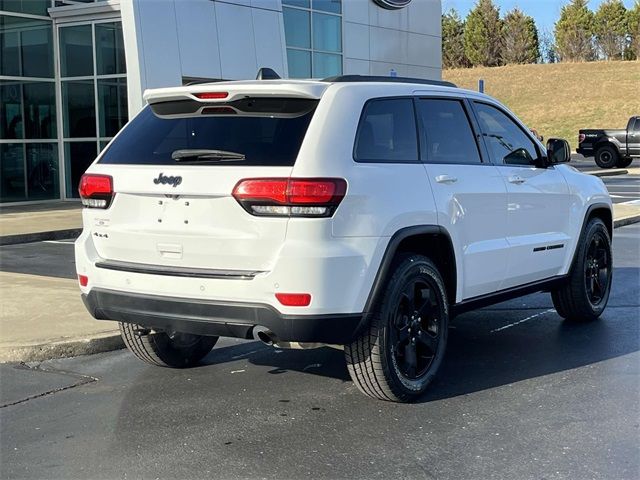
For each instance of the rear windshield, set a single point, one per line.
(261, 140)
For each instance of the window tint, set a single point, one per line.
(448, 134)
(507, 143)
(265, 140)
(387, 132)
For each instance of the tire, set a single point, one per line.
(584, 296)
(414, 299)
(162, 349)
(606, 157)
(624, 162)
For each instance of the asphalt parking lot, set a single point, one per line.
(622, 188)
(521, 395)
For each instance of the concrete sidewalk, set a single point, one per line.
(33, 223)
(43, 318)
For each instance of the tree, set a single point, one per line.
(574, 32)
(453, 41)
(482, 35)
(611, 27)
(547, 47)
(633, 23)
(519, 38)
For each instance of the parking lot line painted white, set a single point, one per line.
(531, 317)
(631, 202)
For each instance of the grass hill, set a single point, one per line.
(559, 99)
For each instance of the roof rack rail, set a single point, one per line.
(373, 78)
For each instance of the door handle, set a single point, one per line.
(446, 179)
(517, 179)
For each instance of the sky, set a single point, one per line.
(544, 12)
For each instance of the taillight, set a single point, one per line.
(581, 138)
(96, 191)
(83, 280)
(211, 95)
(290, 197)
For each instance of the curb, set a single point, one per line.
(61, 349)
(606, 173)
(621, 222)
(39, 236)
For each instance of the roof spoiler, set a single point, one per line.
(373, 78)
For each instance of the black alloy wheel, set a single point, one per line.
(597, 269)
(583, 296)
(414, 332)
(398, 355)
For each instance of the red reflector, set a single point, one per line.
(211, 95)
(294, 299)
(91, 185)
(84, 280)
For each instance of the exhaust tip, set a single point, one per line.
(266, 336)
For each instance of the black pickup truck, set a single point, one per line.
(611, 147)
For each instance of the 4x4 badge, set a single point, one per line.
(163, 179)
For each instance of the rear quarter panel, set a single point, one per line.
(381, 198)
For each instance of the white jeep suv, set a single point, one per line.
(358, 211)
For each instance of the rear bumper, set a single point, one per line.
(205, 317)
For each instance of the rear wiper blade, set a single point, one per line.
(205, 154)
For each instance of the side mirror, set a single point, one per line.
(558, 151)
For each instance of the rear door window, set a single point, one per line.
(448, 137)
(267, 133)
(387, 132)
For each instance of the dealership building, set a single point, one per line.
(72, 72)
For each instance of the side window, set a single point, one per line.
(387, 132)
(506, 141)
(448, 134)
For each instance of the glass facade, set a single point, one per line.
(313, 34)
(94, 93)
(29, 163)
(52, 127)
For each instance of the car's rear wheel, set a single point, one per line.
(585, 295)
(397, 356)
(166, 349)
(624, 162)
(606, 157)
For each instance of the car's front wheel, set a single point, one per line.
(585, 294)
(166, 349)
(397, 356)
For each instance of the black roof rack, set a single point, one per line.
(373, 78)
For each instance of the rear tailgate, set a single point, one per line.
(177, 211)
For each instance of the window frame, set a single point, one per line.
(538, 163)
(361, 120)
(475, 129)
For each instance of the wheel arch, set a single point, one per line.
(606, 142)
(433, 241)
(596, 210)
